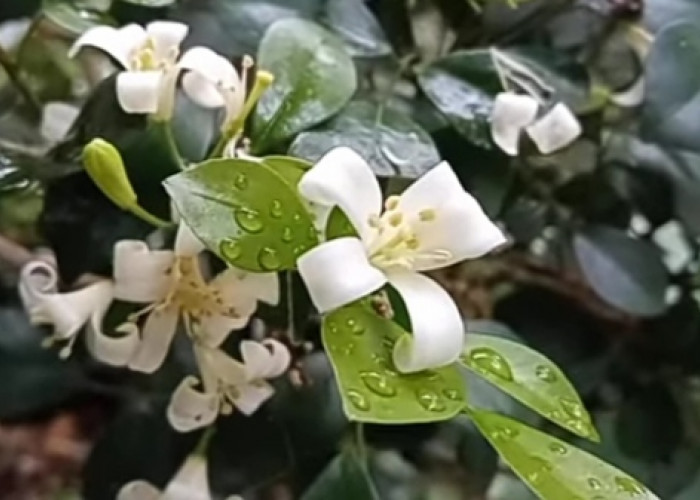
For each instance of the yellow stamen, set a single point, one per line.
(395, 219)
(392, 202)
(427, 215)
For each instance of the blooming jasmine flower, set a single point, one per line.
(151, 65)
(171, 281)
(190, 483)
(69, 312)
(433, 224)
(513, 113)
(227, 383)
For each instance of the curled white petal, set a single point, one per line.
(261, 286)
(437, 329)
(555, 130)
(511, 113)
(263, 360)
(167, 37)
(249, 397)
(36, 280)
(338, 272)
(343, 178)
(216, 328)
(115, 350)
(141, 275)
(157, 335)
(120, 43)
(632, 96)
(139, 490)
(216, 366)
(139, 92)
(57, 119)
(190, 482)
(191, 409)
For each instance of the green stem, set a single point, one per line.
(143, 214)
(290, 306)
(166, 130)
(12, 70)
(203, 444)
(360, 441)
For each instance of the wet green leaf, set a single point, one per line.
(356, 25)
(359, 344)
(555, 470)
(245, 212)
(314, 78)
(530, 378)
(290, 168)
(72, 17)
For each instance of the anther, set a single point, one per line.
(427, 215)
(395, 219)
(392, 202)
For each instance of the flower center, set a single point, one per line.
(146, 58)
(395, 242)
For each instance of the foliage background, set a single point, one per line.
(601, 276)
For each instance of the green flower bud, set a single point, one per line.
(105, 167)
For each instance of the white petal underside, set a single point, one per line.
(190, 408)
(156, 336)
(141, 275)
(139, 490)
(139, 92)
(511, 114)
(120, 43)
(555, 130)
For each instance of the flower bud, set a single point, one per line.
(105, 167)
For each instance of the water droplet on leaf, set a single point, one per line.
(430, 400)
(378, 384)
(558, 448)
(573, 408)
(287, 234)
(629, 485)
(594, 484)
(540, 469)
(248, 220)
(489, 362)
(230, 249)
(452, 394)
(241, 181)
(276, 209)
(545, 374)
(268, 259)
(358, 400)
(355, 327)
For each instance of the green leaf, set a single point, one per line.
(245, 212)
(626, 272)
(390, 141)
(338, 225)
(290, 168)
(72, 17)
(356, 25)
(345, 478)
(530, 378)
(314, 78)
(672, 95)
(555, 470)
(360, 344)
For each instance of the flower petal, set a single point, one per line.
(234, 294)
(138, 490)
(190, 409)
(186, 242)
(216, 366)
(216, 328)
(212, 81)
(112, 350)
(36, 280)
(139, 92)
(555, 130)
(57, 119)
(167, 37)
(459, 227)
(338, 272)
(190, 482)
(251, 396)
(157, 335)
(511, 113)
(343, 178)
(632, 96)
(260, 286)
(263, 360)
(119, 43)
(68, 312)
(141, 275)
(438, 331)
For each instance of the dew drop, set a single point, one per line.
(241, 181)
(248, 220)
(349, 349)
(430, 400)
(629, 485)
(594, 484)
(378, 384)
(431, 375)
(355, 327)
(580, 427)
(313, 234)
(332, 327)
(230, 249)
(358, 400)
(287, 234)
(557, 448)
(503, 433)
(276, 210)
(268, 259)
(298, 251)
(545, 374)
(573, 408)
(540, 469)
(452, 394)
(488, 361)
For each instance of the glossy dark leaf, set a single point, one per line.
(345, 478)
(355, 24)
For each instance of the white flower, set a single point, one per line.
(69, 312)
(56, 120)
(149, 59)
(433, 224)
(190, 483)
(227, 383)
(172, 282)
(512, 113)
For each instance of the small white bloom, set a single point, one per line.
(69, 312)
(514, 113)
(57, 119)
(227, 383)
(149, 59)
(172, 282)
(190, 483)
(433, 224)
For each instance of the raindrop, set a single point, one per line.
(629, 485)
(276, 209)
(230, 249)
(299, 250)
(594, 484)
(540, 467)
(355, 327)
(545, 374)
(249, 220)
(349, 349)
(557, 448)
(332, 327)
(378, 384)
(430, 400)
(431, 375)
(313, 234)
(287, 234)
(452, 394)
(241, 181)
(268, 259)
(573, 408)
(503, 433)
(580, 427)
(358, 400)
(488, 361)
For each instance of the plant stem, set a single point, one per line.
(143, 214)
(12, 70)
